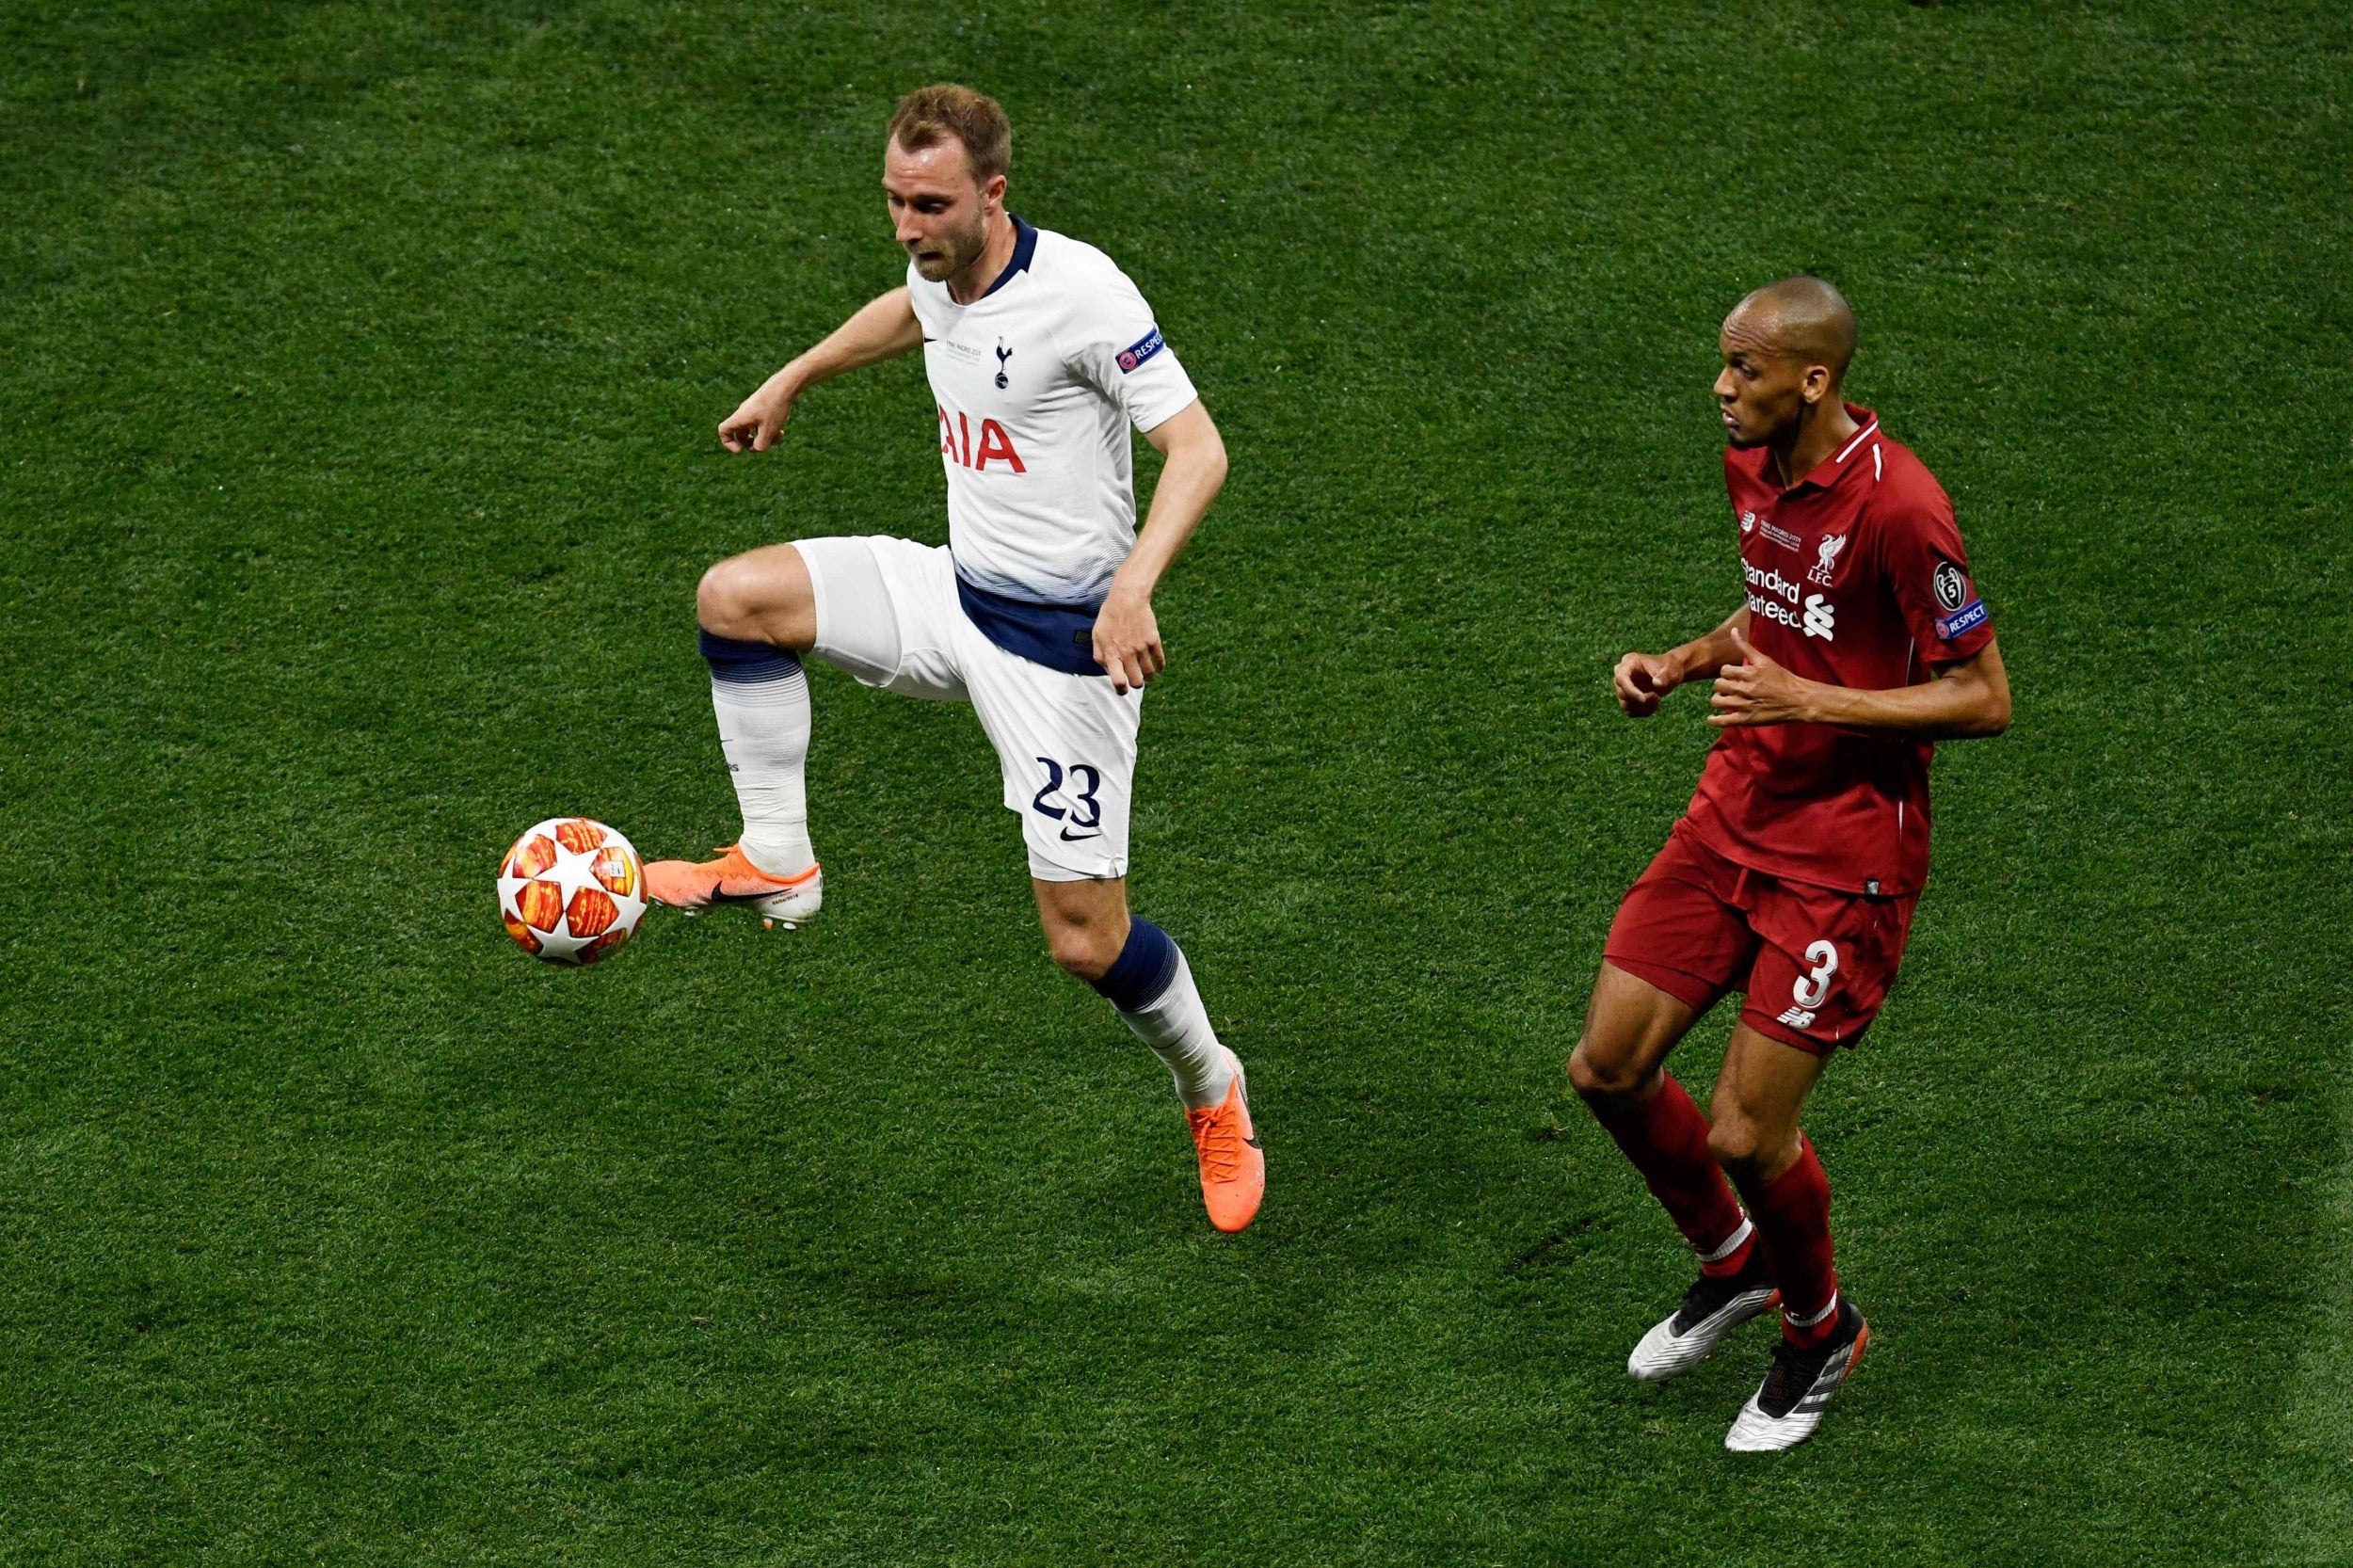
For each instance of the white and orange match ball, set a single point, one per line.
(571, 891)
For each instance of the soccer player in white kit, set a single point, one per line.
(1039, 611)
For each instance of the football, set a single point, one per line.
(571, 891)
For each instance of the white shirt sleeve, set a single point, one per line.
(1115, 345)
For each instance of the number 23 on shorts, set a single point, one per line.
(1083, 812)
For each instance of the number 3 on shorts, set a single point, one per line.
(1086, 811)
(1814, 986)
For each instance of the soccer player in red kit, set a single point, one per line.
(1792, 877)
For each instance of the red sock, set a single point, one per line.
(1792, 1214)
(1667, 1141)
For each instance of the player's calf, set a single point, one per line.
(760, 695)
(1148, 981)
(1617, 1070)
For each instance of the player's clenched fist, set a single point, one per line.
(1641, 679)
(753, 426)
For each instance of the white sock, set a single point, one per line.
(1177, 1026)
(762, 707)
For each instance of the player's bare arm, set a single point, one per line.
(954, 229)
(1964, 700)
(883, 329)
(1642, 679)
(1127, 635)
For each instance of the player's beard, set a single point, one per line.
(959, 248)
(1749, 434)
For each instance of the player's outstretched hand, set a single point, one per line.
(1128, 642)
(1757, 691)
(753, 428)
(1641, 679)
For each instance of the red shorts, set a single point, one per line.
(1814, 962)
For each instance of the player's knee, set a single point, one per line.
(722, 600)
(1087, 951)
(1737, 1142)
(1082, 942)
(1604, 1075)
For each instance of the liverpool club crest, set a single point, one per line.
(1826, 561)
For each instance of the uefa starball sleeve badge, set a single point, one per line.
(1960, 611)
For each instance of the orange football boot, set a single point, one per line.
(1233, 1166)
(695, 886)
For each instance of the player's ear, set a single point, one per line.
(1818, 384)
(993, 192)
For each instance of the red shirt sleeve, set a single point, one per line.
(1928, 570)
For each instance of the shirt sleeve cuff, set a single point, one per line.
(1154, 406)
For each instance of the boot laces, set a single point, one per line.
(1218, 1137)
(1795, 1370)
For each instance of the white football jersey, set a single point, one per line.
(1036, 383)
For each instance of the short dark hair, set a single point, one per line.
(929, 115)
(1810, 318)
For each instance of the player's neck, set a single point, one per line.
(1821, 430)
(990, 265)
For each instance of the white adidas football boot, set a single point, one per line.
(1712, 1308)
(1787, 1406)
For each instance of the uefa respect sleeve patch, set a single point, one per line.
(1141, 350)
(1964, 611)
(1965, 620)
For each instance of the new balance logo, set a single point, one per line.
(1796, 1018)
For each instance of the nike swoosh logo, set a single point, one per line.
(1070, 838)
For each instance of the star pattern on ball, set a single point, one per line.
(571, 891)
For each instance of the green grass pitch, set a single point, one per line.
(360, 366)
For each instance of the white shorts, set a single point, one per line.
(1065, 743)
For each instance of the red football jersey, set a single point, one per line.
(1856, 577)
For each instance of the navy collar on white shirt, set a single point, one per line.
(1024, 247)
